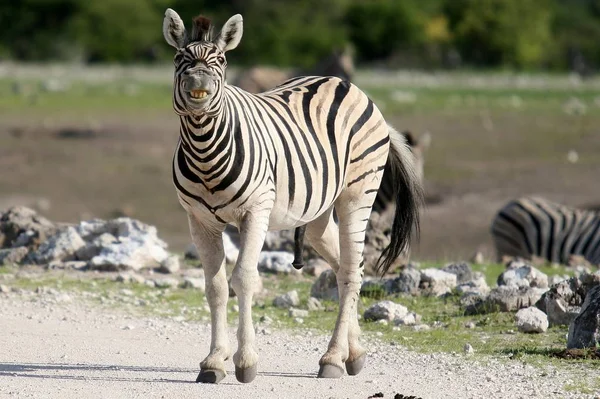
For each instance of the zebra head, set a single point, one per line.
(200, 62)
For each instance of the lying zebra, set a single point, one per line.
(533, 226)
(278, 160)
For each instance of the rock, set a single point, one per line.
(325, 286)
(476, 285)
(507, 299)
(13, 256)
(61, 246)
(407, 282)
(191, 252)
(478, 258)
(287, 300)
(4, 289)
(293, 312)
(170, 265)
(472, 303)
(563, 301)
(470, 325)
(410, 319)
(136, 245)
(385, 310)
(23, 227)
(523, 276)
(556, 279)
(130, 278)
(277, 262)
(166, 282)
(463, 271)
(437, 282)
(93, 247)
(69, 265)
(468, 349)
(372, 288)
(531, 320)
(584, 331)
(421, 327)
(314, 304)
(194, 282)
(315, 266)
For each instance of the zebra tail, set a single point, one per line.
(408, 191)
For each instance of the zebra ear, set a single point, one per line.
(174, 29)
(231, 34)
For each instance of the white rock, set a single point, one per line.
(438, 282)
(231, 250)
(170, 265)
(409, 320)
(478, 285)
(287, 300)
(166, 282)
(523, 276)
(468, 349)
(276, 262)
(314, 304)
(385, 310)
(194, 282)
(61, 246)
(293, 312)
(531, 320)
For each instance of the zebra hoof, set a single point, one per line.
(354, 367)
(246, 375)
(330, 371)
(210, 376)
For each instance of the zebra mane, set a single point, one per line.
(202, 29)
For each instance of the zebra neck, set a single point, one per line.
(207, 144)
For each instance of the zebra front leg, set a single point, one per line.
(344, 348)
(244, 280)
(209, 242)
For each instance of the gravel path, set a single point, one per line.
(58, 346)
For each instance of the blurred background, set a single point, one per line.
(507, 89)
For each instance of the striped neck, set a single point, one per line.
(208, 141)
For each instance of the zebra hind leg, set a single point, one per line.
(209, 243)
(343, 248)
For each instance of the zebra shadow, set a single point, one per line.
(104, 372)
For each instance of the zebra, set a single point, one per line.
(260, 78)
(534, 226)
(385, 195)
(278, 160)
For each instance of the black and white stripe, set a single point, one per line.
(279, 160)
(534, 226)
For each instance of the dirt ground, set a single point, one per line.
(56, 345)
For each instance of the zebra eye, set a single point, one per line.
(178, 58)
(221, 59)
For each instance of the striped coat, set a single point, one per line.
(533, 226)
(278, 160)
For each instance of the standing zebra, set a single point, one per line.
(278, 160)
(533, 226)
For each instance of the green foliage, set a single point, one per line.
(501, 32)
(378, 27)
(559, 34)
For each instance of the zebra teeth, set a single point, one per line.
(198, 93)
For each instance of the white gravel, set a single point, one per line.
(53, 348)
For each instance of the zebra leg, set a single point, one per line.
(209, 242)
(244, 280)
(298, 262)
(344, 348)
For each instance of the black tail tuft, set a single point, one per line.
(409, 198)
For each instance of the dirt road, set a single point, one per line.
(58, 346)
